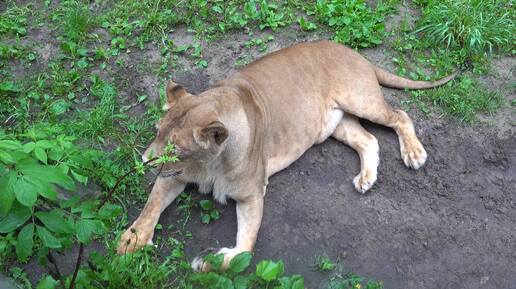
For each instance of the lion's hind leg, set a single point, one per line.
(370, 104)
(350, 132)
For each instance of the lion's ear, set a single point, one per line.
(174, 92)
(215, 132)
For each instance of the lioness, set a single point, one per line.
(234, 136)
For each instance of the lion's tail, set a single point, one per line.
(390, 80)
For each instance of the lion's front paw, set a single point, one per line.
(198, 263)
(364, 181)
(133, 239)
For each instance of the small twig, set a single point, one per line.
(56, 273)
(112, 190)
(77, 265)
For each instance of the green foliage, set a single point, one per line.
(142, 269)
(462, 98)
(324, 264)
(76, 19)
(473, 25)
(102, 118)
(208, 211)
(13, 20)
(353, 281)
(31, 166)
(47, 282)
(268, 274)
(353, 21)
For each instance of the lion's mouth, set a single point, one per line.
(170, 173)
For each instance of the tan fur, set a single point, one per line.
(234, 136)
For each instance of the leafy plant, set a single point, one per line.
(29, 173)
(13, 20)
(353, 21)
(324, 264)
(268, 274)
(353, 281)
(208, 211)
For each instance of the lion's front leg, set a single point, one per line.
(140, 233)
(249, 217)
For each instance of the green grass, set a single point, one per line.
(462, 98)
(476, 26)
(85, 98)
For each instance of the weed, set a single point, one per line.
(268, 274)
(323, 264)
(462, 98)
(13, 21)
(208, 211)
(353, 281)
(353, 22)
(473, 25)
(75, 20)
(20, 277)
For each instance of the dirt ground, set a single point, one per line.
(450, 224)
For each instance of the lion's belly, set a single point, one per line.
(299, 142)
(332, 120)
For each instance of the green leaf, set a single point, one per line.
(205, 218)
(47, 238)
(46, 190)
(109, 211)
(80, 178)
(6, 158)
(7, 194)
(214, 260)
(10, 145)
(40, 154)
(29, 147)
(25, 242)
(47, 283)
(72, 202)
(54, 221)
(45, 144)
(19, 215)
(292, 282)
(241, 282)
(213, 280)
(26, 192)
(86, 227)
(240, 262)
(214, 215)
(206, 205)
(269, 270)
(47, 174)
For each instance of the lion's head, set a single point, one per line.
(191, 123)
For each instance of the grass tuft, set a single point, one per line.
(462, 98)
(475, 25)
